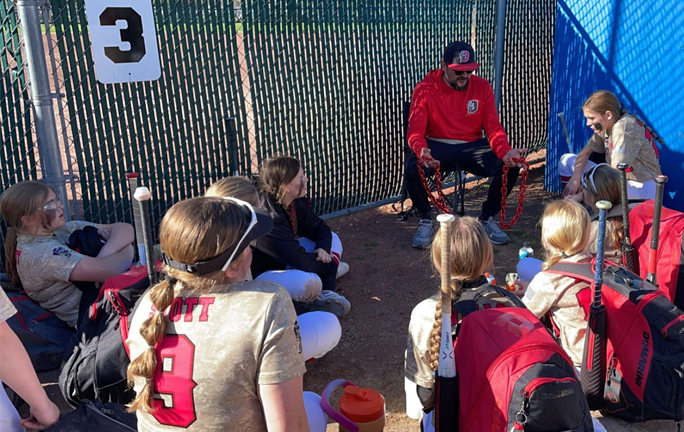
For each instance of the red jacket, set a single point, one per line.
(439, 111)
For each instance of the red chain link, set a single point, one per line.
(521, 198)
(440, 202)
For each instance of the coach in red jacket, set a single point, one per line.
(450, 109)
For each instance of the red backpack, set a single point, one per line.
(514, 376)
(670, 259)
(645, 344)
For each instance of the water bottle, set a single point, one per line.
(361, 409)
(525, 252)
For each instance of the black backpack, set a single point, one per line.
(45, 337)
(97, 366)
(93, 415)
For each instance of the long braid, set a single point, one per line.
(641, 123)
(153, 330)
(436, 333)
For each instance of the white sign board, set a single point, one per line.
(124, 40)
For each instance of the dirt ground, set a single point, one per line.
(387, 279)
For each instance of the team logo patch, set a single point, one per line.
(463, 56)
(472, 105)
(60, 251)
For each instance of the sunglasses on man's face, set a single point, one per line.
(459, 73)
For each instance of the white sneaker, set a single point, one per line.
(496, 235)
(342, 269)
(330, 301)
(423, 237)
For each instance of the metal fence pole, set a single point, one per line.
(499, 50)
(41, 99)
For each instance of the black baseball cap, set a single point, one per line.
(460, 56)
(256, 223)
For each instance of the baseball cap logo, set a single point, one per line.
(463, 56)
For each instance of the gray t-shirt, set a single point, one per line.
(218, 349)
(45, 264)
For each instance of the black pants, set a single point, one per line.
(475, 157)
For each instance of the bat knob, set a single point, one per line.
(604, 205)
(446, 218)
(142, 193)
(623, 166)
(662, 179)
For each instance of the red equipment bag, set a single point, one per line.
(514, 376)
(670, 259)
(645, 344)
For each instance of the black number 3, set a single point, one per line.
(132, 34)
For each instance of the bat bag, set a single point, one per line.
(670, 259)
(513, 376)
(96, 369)
(645, 343)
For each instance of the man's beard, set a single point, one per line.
(455, 85)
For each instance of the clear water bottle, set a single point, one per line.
(526, 251)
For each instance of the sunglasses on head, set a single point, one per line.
(588, 183)
(214, 264)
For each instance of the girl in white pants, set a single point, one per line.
(320, 331)
(623, 137)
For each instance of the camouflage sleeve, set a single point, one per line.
(77, 225)
(6, 307)
(281, 355)
(626, 142)
(541, 294)
(596, 144)
(52, 261)
(417, 360)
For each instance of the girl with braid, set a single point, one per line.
(623, 137)
(471, 255)
(211, 351)
(300, 240)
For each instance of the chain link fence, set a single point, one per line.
(324, 81)
(18, 152)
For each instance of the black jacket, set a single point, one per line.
(280, 248)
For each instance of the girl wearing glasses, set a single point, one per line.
(623, 137)
(320, 330)
(211, 351)
(38, 258)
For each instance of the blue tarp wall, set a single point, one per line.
(633, 48)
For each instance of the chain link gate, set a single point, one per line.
(324, 81)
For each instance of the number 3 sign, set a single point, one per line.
(124, 40)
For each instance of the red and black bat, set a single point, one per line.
(135, 210)
(446, 385)
(143, 196)
(593, 373)
(655, 231)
